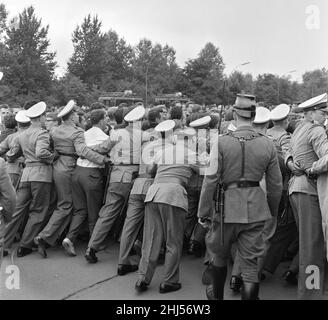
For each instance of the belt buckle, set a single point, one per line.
(242, 184)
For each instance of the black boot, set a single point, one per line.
(250, 291)
(215, 290)
(236, 283)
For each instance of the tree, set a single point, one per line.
(314, 83)
(71, 87)
(118, 60)
(237, 82)
(29, 65)
(88, 60)
(154, 68)
(205, 75)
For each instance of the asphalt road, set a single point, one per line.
(61, 277)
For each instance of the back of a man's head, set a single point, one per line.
(96, 116)
(9, 121)
(176, 113)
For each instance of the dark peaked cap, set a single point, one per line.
(245, 105)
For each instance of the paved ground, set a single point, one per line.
(63, 277)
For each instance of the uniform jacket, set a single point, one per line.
(282, 140)
(34, 145)
(7, 197)
(309, 143)
(145, 179)
(69, 139)
(243, 205)
(124, 149)
(175, 165)
(15, 167)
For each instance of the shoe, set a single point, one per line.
(69, 247)
(291, 278)
(22, 252)
(141, 286)
(42, 246)
(166, 288)
(123, 269)
(236, 283)
(90, 255)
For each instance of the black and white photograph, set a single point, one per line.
(163, 153)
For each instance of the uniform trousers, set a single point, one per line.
(286, 235)
(191, 218)
(14, 177)
(132, 225)
(62, 215)
(311, 244)
(115, 198)
(162, 223)
(87, 199)
(249, 242)
(32, 199)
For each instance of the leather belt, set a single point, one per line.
(169, 180)
(126, 164)
(145, 175)
(241, 184)
(35, 164)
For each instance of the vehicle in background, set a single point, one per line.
(114, 99)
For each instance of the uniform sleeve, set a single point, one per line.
(4, 147)
(211, 180)
(320, 166)
(7, 193)
(106, 146)
(273, 182)
(318, 139)
(15, 151)
(42, 147)
(83, 151)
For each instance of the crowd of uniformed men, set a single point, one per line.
(161, 180)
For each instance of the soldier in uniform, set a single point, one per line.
(33, 194)
(194, 231)
(87, 184)
(136, 208)
(124, 146)
(238, 162)
(15, 168)
(286, 231)
(166, 209)
(260, 125)
(309, 143)
(68, 143)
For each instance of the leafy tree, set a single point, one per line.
(29, 67)
(205, 75)
(314, 83)
(71, 87)
(88, 60)
(154, 67)
(118, 59)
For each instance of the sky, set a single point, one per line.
(275, 36)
